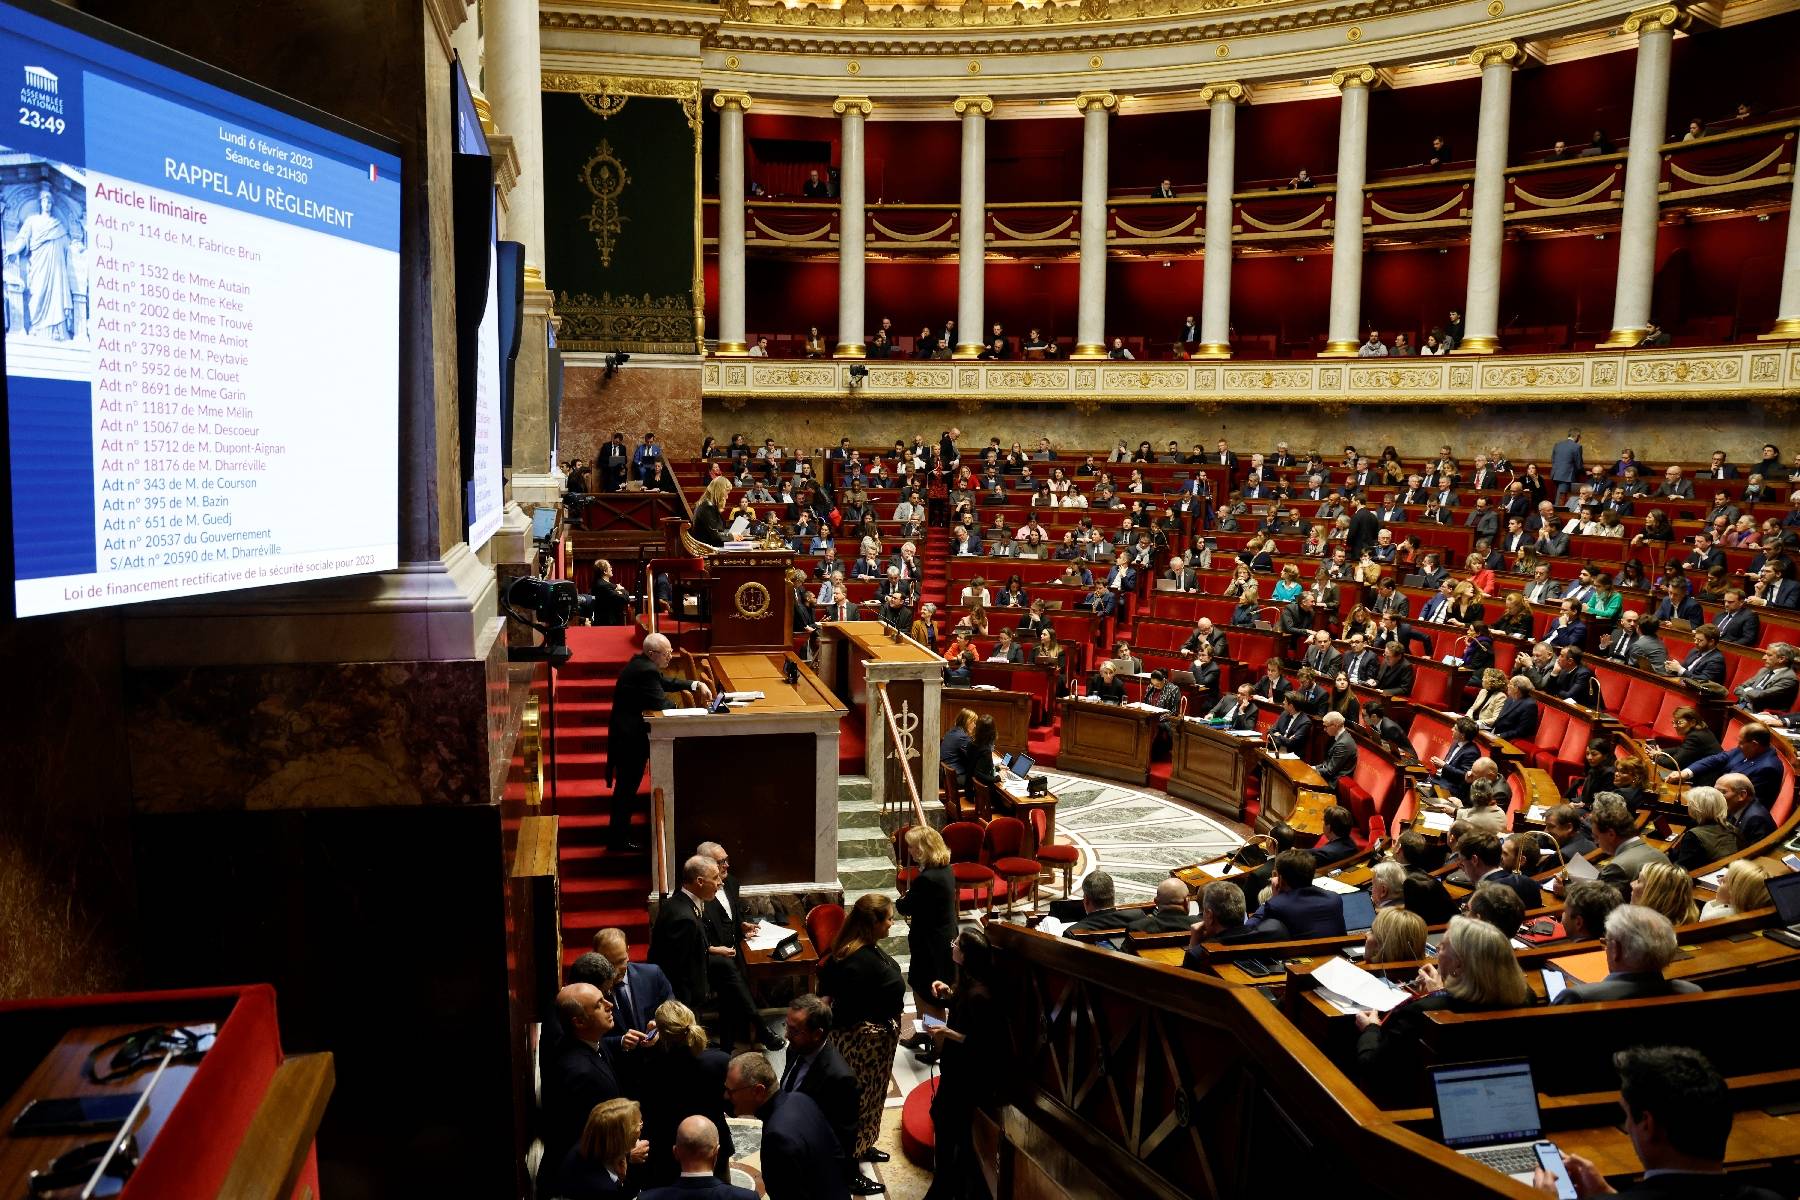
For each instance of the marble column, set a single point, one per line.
(1487, 211)
(1342, 332)
(731, 106)
(971, 238)
(1655, 29)
(1222, 100)
(853, 111)
(1787, 319)
(513, 74)
(1090, 304)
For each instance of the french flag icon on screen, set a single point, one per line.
(372, 173)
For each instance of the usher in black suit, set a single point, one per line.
(641, 688)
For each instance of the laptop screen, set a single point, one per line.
(1022, 764)
(1784, 890)
(1486, 1104)
(1359, 911)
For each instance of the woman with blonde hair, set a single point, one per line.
(1667, 889)
(1240, 579)
(929, 906)
(597, 1166)
(1709, 838)
(1396, 936)
(1475, 971)
(1481, 576)
(863, 983)
(1288, 586)
(1465, 605)
(1744, 889)
(1515, 616)
(709, 514)
(1487, 703)
(679, 1078)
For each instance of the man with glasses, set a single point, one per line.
(643, 687)
(801, 1155)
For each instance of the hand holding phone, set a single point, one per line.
(1552, 1171)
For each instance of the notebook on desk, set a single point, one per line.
(1489, 1112)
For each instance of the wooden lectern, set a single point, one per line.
(751, 605)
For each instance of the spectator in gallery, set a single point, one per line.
(1164, 191)
(814, 188)
(1439, 155)
(1597, 145)
(1302, 180)
(815, 344)
(761, 349)
(1374, 347)
(1119, 351)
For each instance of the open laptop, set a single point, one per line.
(1020, 764)
(1359, 911)
(1489, 1112)
(1784, 892)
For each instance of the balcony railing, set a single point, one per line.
(1769, 372)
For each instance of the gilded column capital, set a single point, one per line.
(861, 104)
(1361, 76)
(981, 104)
(1497, 54)
(1232, 90)
(727, 99)
(1102, 100)
(1663, 16)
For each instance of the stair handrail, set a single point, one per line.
(902, 857)
(659, 870)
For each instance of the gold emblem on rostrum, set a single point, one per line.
(752, 601)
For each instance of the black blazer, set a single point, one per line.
(1389, 1060)
(1517, 719)
(802, 1158)
(1099, 689)
(929, 907)
(693, 1187)
(864, 987)
(678, 943)
(575, 1079)
(709, 527)
(641, 689)
(672, 1086)
(833, 1087)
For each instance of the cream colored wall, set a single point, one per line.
(1665, 433)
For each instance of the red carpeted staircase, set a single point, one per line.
(599, 888)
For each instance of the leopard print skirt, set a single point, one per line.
(869, 1050)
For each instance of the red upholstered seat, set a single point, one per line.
(1057, 856)
(918, 1136)
(823, 922)
(975, 881)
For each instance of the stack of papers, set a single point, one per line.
(1536, 813)
(742, 697)
(1218, 870)
(768, 935)
(1053, 927)
(1350, 989)
(1337, 886)
(1436, 821)
(1014, 787)
(1143, 707)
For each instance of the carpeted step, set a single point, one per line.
(589, 828)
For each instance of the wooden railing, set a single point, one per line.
(897, 750)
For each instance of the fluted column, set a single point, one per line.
(1787, 320)
(1342, 333)
(514, 78)
(971, 238)
(1655, 28)
(1222, 100)
(731, 106)
(1090, 303)
(1487, 212)
(852, 111)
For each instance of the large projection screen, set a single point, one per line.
(201, 326)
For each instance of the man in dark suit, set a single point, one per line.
(723, 917)
(1678, 1115)
(697, 1153)
(642, 688)
(801, 1154)
(615, 460)
(1205, 633)
(1736, 622)
(1640, 943)
(579, 1075)
(1289, 733)
(1395, 675)
(1339, 843)
(1222, 920)
(1340, 750)
(1321, 656)
(1566, 467)
(816, 1068)
(1450, 770)
(1303, 909)
(1518, 717)
(1237, 710)
(678, 940)
(1183, 576)
(638, 991)
(1099, 907)
(1171, 912)
(1572, 680)
(1365, 529)
(1705, 662)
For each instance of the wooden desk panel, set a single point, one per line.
(1011, 712)
(1108, 740)
(1209, 767)
(1293, 792)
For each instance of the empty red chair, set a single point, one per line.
(1004, 850)
(974, 880)
(823, 921)
(1056, 856)
(1637, 707)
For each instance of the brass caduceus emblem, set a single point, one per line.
(906, 724)
(606, 178)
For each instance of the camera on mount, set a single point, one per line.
(548, 606)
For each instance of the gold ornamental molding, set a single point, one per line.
(727, 99)
(1566, 201)
(1428, 215)
(981, 104)
(1102, 100)
(1157, 234)
(911, 237)
(1687, 176)
(621, 85)
(1649, 20)
(1348, 77)
(1033, 237)
(1499, 53)
(1280, 226)
(791, 239)
(1235, 92)
(861, 104)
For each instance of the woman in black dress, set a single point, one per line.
(863, 983)
(929, 907)
(974, 1048)
(681, 1078)
(709, 515)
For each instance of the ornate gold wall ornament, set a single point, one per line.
(1357, 76)
(652, 324)
(844, 104)
(1089, 100)
(606, 178)
(1497, 8)
(1566, 201)
(791, 239)
(1664, 16)
(1429, 214)
(852, 68)
(1223, 51)
(1031, 237)
(982, 104)
(740, 99)
(731, 62)
(1094, 62)
(1281, 226)
(911, 237)
(1498, 52)
(604, 104)
(1353, 34)
(1156, 234)
(1231, 90)
(974, 66)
